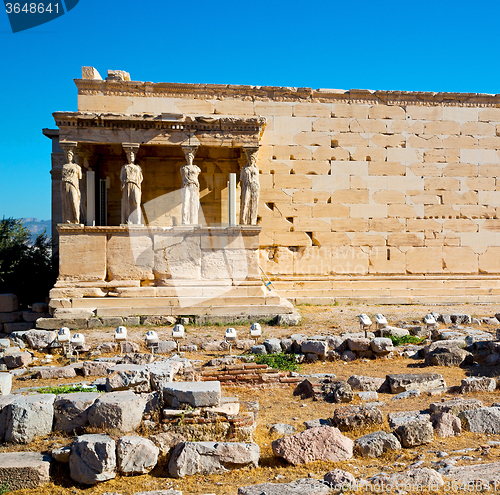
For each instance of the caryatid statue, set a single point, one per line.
(70, 189)
(190, 188)
(131, 179)
(250, 189)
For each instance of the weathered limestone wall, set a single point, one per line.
(353, 186)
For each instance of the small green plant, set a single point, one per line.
(282, 361)
(65, 389)
(4, 488)
(405, 339)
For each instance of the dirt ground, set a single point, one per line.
(279, 405)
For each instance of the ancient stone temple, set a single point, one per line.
(185, 189)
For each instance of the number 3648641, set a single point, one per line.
(31, 8)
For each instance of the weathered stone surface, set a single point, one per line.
(129, 347)
(304, 486)
(375, 444)
(477, 384)
(53, 372)
(461, 319)
(315, 347)
(288, 320)
(162, 373)
(258, 349)
(409, 381)
(402, 417)
(40, 339)
(71, 410)
(136, 455)
(456, 406)
(196, 394)
(8, 303)
(446, 424)
(273, 346)
(29, 416)
(407, 395)
(158, 320)
(215, 345)
(4, 344)
(366, 383)
(190, 458)
(338, 391)
(367, 396)
(24, 470)
(354, 417)
(122, 410)
(56, 323)
(92, 459)
(139, 358)
(415, 433)
(5, 400)
(165, 347)
(324, 443)
(282, 429)
(5, 383)
(394, 331)
(358, 344)
(96, 368)
(338, 479)
(446, 356)
(422, 478)
(484, 420)
(135, 378)
(381, 345)
(477, 475)
(17, 359)
(167, 441)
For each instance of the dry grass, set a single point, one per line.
(279, 405)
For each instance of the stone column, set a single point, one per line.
(190, 187)
(70, 185)
(250, 188)
(131, 180)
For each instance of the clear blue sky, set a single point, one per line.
(415, 46)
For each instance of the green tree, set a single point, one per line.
(25, 266)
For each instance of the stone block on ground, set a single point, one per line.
(442, 355)
(357, 344)
(29, 416)
(92, 459)
(339, 480)
(258, 349)
(315, 347)
(401, 417)
(456, 406)
(39, 339)
(196, 394)
(71, 410)
(96, 368)
(415, 381)
(282, 429)
(57, 323)
(288, 320)
(366, 383)
(422, 478)
(136, 455)
(17, 359)
(484, 420)
(5, 383)
(135, 378)
(56, 372)
(5, 400)
(190, 458)
(377, 443)
(121, 410)
(8, 303)
(20, 326)
(446, 424)
(355, 417)
(304, 486)
(414, 433)
(273, 346)
(158, 320)
(324, 443)
(481, 476)
(381, 345)
(477, 384)
(166, 347)
(24, 470)
(61, 454)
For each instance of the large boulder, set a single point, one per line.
(325, 443)
(92, 459)
(211, 457)
(56, 372)
(273, 346)
(71, 410)
(163, 372)
(415, 433)
(319, 347)
(304, 486)
(195, 394)
(96, 368)
(5, 383)
(40, 339)
(415, 381)
(121, 410)
(375, 444)
(17, 359)
(358, 344)
(24, 470)
(136, 455)
(442, 355)
(340, 480)
(128, 377)
(402, 417)
(366, 383)
(355, 417)
(484, 420)
(29, 416)
(381, 345)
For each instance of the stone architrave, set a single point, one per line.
(131, 180)
(190, 187)
(70, 186)
(250, 188)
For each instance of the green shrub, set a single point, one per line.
(65, 389)
(406, 339)
(4, 488)
(282, 361)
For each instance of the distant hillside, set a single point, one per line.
(37, 226)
